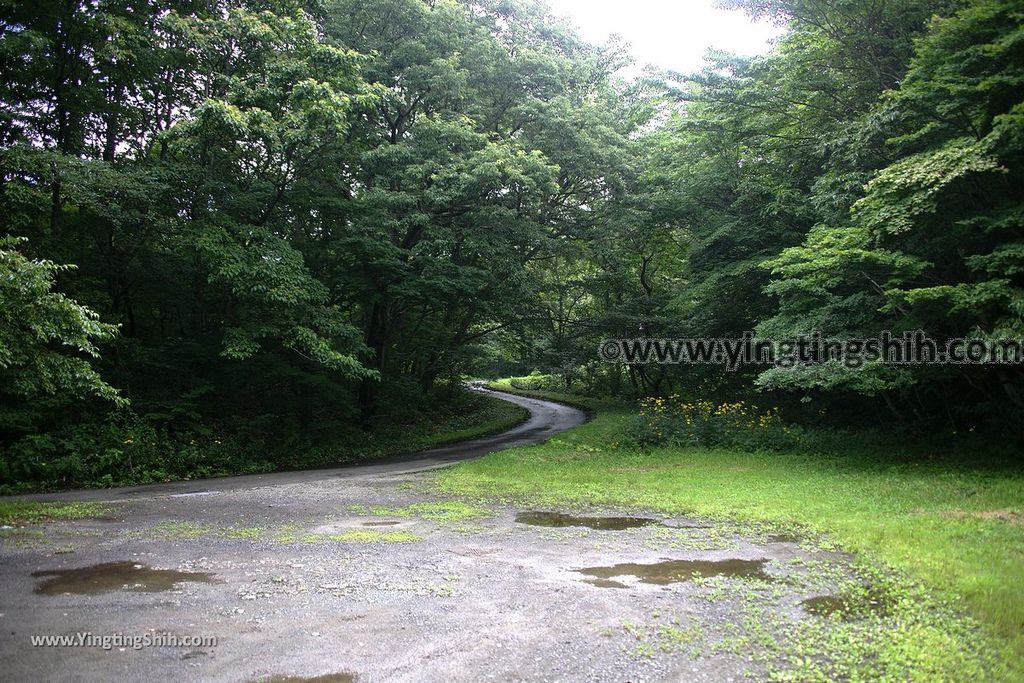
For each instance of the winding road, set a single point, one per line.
(374, 573)
(546, 419)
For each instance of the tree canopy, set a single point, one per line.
(288, 219)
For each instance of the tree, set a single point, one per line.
(935, 242)
(46, 339)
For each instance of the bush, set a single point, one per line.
(592, 380)
(122, 449)
(674, 422)
(536, 381)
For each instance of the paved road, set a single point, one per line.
(546, 420)
(376, 573)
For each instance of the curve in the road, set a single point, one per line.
(546, 419)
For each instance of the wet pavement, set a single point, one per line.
(107, 577)
(546, 420)
(373, 577)
(675, 571)
(349, 578)
(561, 520)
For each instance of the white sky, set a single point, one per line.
(672, 34)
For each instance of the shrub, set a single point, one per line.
(122, 449)
(536, 381)
(673, 422)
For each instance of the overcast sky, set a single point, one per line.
(672, 34)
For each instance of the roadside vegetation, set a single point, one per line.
(125, 452)
(18, 513)
(216, 263)
(253, 235)
(950, 524)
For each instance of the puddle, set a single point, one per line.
(557, 519)
(113, 576)
(675, 571)
(848, 607)
(385, 523)
(193, 494)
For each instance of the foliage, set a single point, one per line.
(46, 339)
(932, 241)
(535, 381)
(673, 422)
(303, 216)
(124, 449)
(863, 177)
(300, 216)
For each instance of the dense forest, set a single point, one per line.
(241, 230)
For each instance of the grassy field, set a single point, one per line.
(952, 528)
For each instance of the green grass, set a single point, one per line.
(252, 533)
(24, 512)
(448, 511)
(954, 527)
(365, 536)
(174, 531)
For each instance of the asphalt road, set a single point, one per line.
(373, 573)
(546, 419)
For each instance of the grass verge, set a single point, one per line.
(589, 404)
(365, 536)
(954, 526)
(499, 416)
(15, 512)
(458, 416)
(471, 415)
